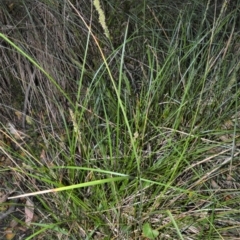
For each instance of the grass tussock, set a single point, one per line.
(138, 134)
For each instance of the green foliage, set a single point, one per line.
(149, 232)
(134, 110)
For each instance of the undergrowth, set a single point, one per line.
(134, 137)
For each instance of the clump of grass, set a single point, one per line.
(157, 110)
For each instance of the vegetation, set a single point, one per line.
(132, 126)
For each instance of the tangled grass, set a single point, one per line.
(140, 130)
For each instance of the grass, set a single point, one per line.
(133, 138)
